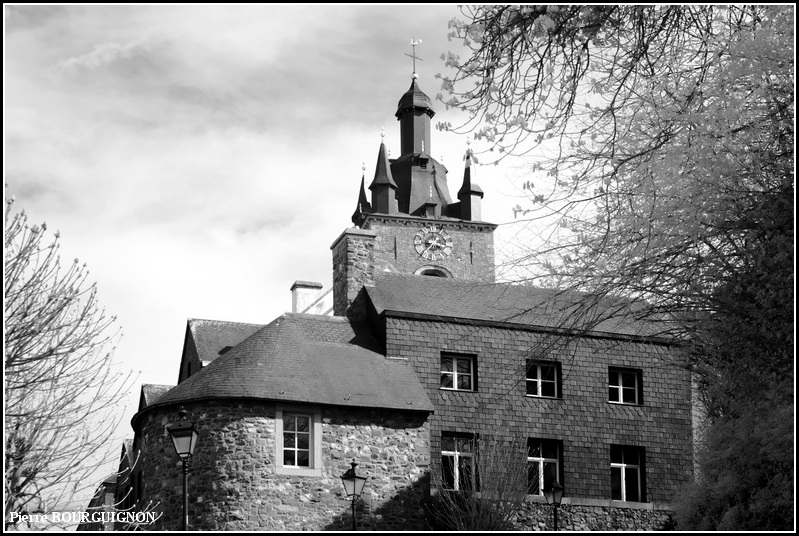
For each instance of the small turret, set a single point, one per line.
(470, 194)
(363, 207)
(383, 187)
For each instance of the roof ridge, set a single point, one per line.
(224, 321)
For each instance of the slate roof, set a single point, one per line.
(213, 337)
(150, 393)
(414, 98)
(501, 303)
(311, 359)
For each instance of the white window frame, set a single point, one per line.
(539, 379)
(315, 443)
(637, 390)
(540, 460)
(454, 372)
(457, 455)
(623, 466)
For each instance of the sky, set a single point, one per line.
(200, 159)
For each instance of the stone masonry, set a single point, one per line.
(472, 256)
(233, 485)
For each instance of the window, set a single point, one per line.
(458, 372)
(627, 473)
(298, 442)
(543, 379)
(457, 461)
(625, 386)
(543, 464)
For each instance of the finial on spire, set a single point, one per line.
(382, 134)
(422, 145)
(413, 55)
(363, 167)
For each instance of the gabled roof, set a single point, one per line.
(150, 393)
(214, 337)
(503, 303)
(311, 359)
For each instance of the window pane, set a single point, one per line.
(532, 387)
(533, 448)
(464, 444)
(302, 424)
(548, 389)
(533, 478)
(628, 379)
(548, 372)
(303, 458)
(629, 396)
(631, 455)
(448, 443)
(289, 422)
(446, 364)
(465, 473)
(289, 440)
(631, 484)
(550, 449)
(532, 371)
(550, 474)
(615, 483)
(464, 366)
(616, 454)
(613, 393)
(447, 471)
(613, 377)
(446, 381)
(465, 382)
(288, 457)
(302, 441)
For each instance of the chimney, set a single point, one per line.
(303, 295)
(353, 267)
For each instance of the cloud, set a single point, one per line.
(103, 54)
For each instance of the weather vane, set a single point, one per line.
(413, 55)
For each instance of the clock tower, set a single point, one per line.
(412, 225)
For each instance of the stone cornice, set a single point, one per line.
(406, 220)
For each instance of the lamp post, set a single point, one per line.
(554, 495)
(184, 436)
(353, 485)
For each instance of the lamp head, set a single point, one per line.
(184, 436)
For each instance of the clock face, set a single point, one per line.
(432, 243)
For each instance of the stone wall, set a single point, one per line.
(538, 516)
(472, 256)
(353, 267)
(233, 484)
(583, 419)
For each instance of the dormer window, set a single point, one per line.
(423, 163)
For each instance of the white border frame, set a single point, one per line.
(315, 413)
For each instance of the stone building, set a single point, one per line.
(424, 353)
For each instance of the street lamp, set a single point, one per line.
(184, 436)
(353, 485)
(554, 495)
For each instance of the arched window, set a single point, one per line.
(434, 271)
